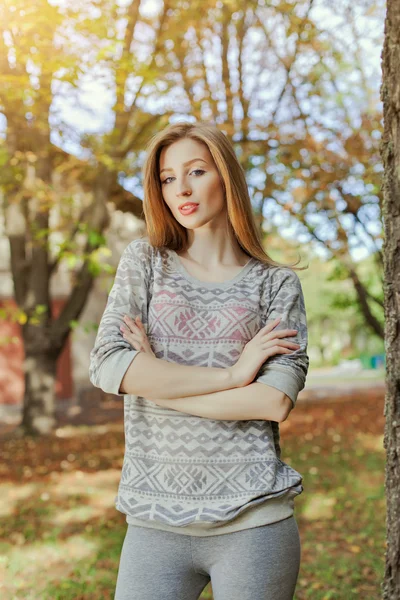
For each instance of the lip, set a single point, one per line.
(191, 203)
(190, 210)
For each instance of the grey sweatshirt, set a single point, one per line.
(185, 473)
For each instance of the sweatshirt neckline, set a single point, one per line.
(210, 284)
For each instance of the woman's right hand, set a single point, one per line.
(266, 343)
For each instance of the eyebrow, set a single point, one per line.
(184, 164)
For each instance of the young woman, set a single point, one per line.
(205, 336)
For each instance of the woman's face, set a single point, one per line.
(198, 182)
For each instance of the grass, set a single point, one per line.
(61, 537)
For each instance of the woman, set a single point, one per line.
(195, 336)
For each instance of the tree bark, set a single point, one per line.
(44, 341)
(390, 151)
(39, 410)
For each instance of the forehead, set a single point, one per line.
(181, 151)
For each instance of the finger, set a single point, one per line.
(139, 323)
(140, 326)
(131, 326)
(127, 318)
(272, 324)
(281, 333)
(129, 321)
(289, 345)
(134, 343)
(128, 335)
(279, 350)
(280, 343)
(129, 329)
(268, 327)
(287, 333)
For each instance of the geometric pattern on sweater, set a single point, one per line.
(180, 469)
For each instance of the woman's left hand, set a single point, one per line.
(133, 332)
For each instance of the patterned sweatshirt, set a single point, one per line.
(185, 473)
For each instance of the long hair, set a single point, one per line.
(163, 230)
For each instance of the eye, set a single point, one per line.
(195, 171)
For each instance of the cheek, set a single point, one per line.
(216, 192)
(166, 200)
(211, 183)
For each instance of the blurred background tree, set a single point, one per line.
(286, 81)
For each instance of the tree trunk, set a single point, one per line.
(39, 397)
(390, 151)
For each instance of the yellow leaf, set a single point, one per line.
(316, 585)
(355, 549)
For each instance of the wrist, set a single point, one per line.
(234, 379)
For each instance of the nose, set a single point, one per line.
(183, 189)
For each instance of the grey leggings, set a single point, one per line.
(261, 563)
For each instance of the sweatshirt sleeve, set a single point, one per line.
(111, 354)
(284, 298)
